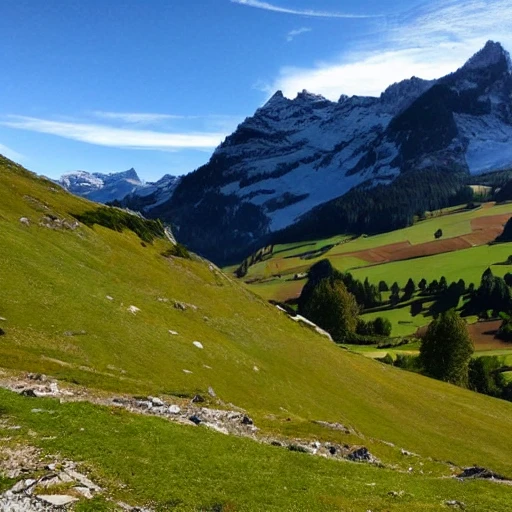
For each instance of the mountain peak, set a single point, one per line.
(492, 53)
(277, 100)
(309, 96)
(130, 174)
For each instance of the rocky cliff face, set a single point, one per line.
(294, 155)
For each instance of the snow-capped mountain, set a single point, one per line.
(104, 188)
(293, 155)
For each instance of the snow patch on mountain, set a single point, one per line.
(489, 142)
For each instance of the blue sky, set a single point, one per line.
(156, 84)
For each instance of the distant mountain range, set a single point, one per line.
(362, 164)
(105, 188)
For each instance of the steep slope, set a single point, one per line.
(294, 155)
(67, 310)
(105, 188)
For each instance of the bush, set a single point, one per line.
(387, 359)
(119, 220)
(178, 250)
(382, 326)
(408, 362)
(484, 376)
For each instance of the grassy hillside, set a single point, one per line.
(65, 299)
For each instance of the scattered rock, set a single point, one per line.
(455, 503)
(255, 368)
(198, 399)
(333, 426)
(2, 319)
(156, 401)
(407, 454)
(479, 472)
(361, 455)
(174, 333)
(109, 297)
(133, 310)
(396, 494)
(194, 419)
(187, 371)
(40, 377)
(180, 305)
(197, 344)
(211, 392)
(25, 221)
(57, 500)
(2, 332)
(84, 491)
(174, 409)
(29, 392)
(247, 421)
(82, 480)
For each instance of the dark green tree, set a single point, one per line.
(446, 349)
(382, 326)
(433, 287)
(438, 234)
(409, 289)
(333, 308)
(422, 285)
(443, 284)
(383, 287)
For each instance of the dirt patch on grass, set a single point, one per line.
(405, 251)
(482, 334)
(431, 248)
(490, 222)
(379, 254)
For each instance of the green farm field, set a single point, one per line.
(466, 256)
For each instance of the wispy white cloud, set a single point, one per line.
(116, 137)
(301, 12)
(10, 153)
(135, 117)
(428, 42)
(196, 123)
(296, 32)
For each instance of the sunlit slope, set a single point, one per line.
(59, 320)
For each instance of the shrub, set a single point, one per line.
(118, 220)
(178, 250)
(484, 375)
(382, 326)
